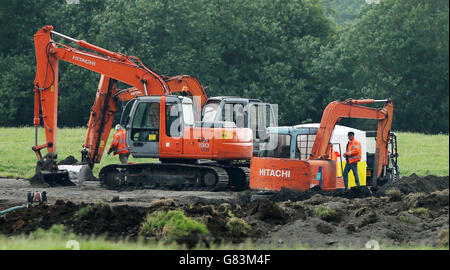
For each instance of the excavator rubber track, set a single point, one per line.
(237, 171)
(173, 176)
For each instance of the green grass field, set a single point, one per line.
(423, 154)
(57, 238)
(18, 160)
(419, 153)
(52, 243)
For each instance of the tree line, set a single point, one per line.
(288, 52)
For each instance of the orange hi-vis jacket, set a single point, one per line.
(353, 151)
(118, 143)
(333, 155)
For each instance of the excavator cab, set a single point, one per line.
(245, 113)
(164, 127)
(284, 162)
(289, 142)
(145, 130)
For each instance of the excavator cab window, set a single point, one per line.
(260, 119)
(125, 116)
(188, 114)
(305, 144)
(145, 127)
(210, 111)
(282, 148)
(234, 112)
(174, 124)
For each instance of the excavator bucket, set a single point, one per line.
(48, 174)
(51, 179)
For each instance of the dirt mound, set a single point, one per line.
(96, 219)
(315, 218)
(267, 210)
(125, 221)
(70, 160)
(415, 183)
(38, 180)
(434, 201)
(286, 194)
(225, 222)
(352, 193)
(406, 185)
(42, 216)
(324, 221)
(113, 221)
(59, 178)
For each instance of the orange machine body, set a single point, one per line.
(278, 173)
(216, 143)
(204, 142)
(115, 67)
(277, 169)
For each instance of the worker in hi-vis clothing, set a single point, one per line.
(331, 154)
(119, 146)
(353, 156)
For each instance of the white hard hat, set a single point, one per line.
(118, 127)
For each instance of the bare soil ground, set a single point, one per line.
(416, 215)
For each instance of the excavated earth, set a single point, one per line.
(413, 211)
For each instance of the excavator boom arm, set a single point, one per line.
(192, 87)
(183, 84)
(113, 67)
(351, 108)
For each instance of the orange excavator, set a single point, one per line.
(288, 160)
(160, 124)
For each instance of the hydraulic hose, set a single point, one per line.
(12, 209)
